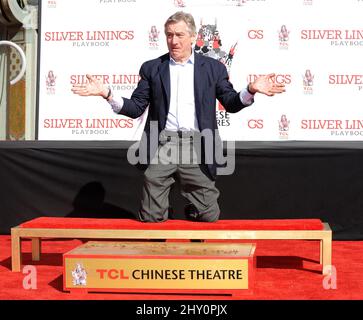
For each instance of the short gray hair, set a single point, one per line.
(182, 16)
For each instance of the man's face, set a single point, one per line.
(179, 41)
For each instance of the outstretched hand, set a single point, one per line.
(266, 85)
(94, 87)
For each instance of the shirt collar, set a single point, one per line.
(190, 60)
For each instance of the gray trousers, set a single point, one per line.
(177, 155)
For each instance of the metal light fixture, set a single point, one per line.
(12, 12)
(23, 60)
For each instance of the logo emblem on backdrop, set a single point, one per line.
(209, 43)
(50, 82)
(179, 3)
(284, 37)
(284, 127)
(308, 81)
(52, 4)
(79, 275)
(154, 38)
(308, 2)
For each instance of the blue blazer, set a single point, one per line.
(211, 83)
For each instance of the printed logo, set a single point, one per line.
(79, 275)
(52, 4)
(179, 3)
(209, 43)
(50, 82)
(308, 82)
(336, 37)
(79, 126)
(90, 38)
(284, 37)
(255, 123)
(355, 80)
(337, 128)
(255, 34)
(117, 82)
(223, 118)
(278, 78)
(154, 38)
(284, 127)
(307, 2)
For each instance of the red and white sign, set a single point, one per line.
(313, 47)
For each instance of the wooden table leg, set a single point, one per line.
(15, 251)
(36, 249)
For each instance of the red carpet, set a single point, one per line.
(132, 224)
(286, 270)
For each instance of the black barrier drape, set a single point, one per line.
(84, 179)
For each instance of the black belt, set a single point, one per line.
(180, 134)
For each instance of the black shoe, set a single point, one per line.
(170, 213)
(191, 212)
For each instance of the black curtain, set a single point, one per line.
(85, 179)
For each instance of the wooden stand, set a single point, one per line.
(18, 233)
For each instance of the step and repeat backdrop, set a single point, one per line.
(314, 47)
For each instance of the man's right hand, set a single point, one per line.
(93, 88)
(266, 85)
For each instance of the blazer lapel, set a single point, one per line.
(164, 73)
(198, 85)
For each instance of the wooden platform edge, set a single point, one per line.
(17, 233)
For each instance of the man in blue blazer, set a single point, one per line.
(181, 88)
